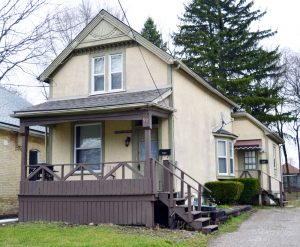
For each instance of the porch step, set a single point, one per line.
(179, 201)
(199, 223)
(209, 229)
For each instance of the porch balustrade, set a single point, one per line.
(64, 172)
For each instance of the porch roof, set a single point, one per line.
(252, 144)
(97, 102)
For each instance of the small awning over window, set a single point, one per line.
(254, 144)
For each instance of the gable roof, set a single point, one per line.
(99, 102)
(10, 102)
(104, 15)
(292, 169)
(260, 125)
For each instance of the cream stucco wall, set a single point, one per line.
(197, 115)
(73, 79)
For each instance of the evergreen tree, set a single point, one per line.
(217, 43)
(151, 33)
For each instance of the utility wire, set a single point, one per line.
(21, 85)
(141, 52)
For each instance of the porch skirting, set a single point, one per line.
(121, 210)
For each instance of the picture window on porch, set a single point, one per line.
(88, 148)
(250, 160)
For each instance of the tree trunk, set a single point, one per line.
(287, 168)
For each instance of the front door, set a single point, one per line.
(154, 152)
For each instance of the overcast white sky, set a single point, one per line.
(282, 15)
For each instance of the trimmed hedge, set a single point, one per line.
(225, 192)
(251, 188)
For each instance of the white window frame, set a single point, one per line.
(110, 73)
(222, 157)
(93, 76)
(227, 157)
(231, 157)
(101, 146)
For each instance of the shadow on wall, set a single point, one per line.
(8, 206)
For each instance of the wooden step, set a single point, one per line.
(209, 229)
(199, 223)
(179, 201)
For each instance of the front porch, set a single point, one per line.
(81, 182)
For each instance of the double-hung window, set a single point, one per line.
(231, 158)
(250, 160)
(116, 72)
(88, 149)
(222, 157)
(98, 77)
(225, 157)
(274, 160)
(107, 73)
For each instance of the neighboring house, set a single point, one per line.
(257, 152)
(294, 177)
(119, 143)
(10, 150)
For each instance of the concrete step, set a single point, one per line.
(209, 229)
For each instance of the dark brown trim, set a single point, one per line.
(24, 130)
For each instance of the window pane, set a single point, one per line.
(88, 136)
(116, 81)
(222, 165)
(221, 148)
(230, 149)
(116, 63)
(89, 156)
(99, 65)
(231, 166)
(99, 83)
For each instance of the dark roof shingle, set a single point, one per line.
(102, 100)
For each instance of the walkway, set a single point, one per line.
(270, 227)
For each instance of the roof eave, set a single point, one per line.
(269, 133)
(204, 83)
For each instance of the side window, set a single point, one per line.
(222, 157)
(274, 160)
(98, 77)
(250, 160)
(116, 72)
(231, 158)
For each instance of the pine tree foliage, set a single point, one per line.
(151, 33)
(216, 41)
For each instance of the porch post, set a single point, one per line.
(24, 131)
(147, 125)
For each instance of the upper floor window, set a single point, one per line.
(116, 72)
(98, 74)
(225, 156)
(107, 73)
(250, 160)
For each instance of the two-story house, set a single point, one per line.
(127, 124)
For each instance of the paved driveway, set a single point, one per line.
(273, 227)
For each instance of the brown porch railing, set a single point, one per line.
(169, 176)
(63, 172)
